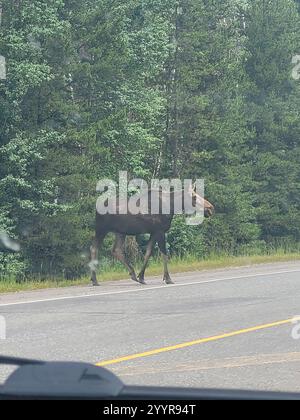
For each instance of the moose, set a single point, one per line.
(124, 224)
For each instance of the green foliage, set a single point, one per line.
(186, 240)
(273, 37)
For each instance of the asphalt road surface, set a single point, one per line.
(213, 329)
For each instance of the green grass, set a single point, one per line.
(177, 265)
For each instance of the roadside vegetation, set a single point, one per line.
(177, 265)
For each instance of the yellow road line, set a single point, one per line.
(194, 343)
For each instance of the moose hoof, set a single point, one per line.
(142, 280)
(168, 281)
(96, 284)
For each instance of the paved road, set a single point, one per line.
(214, 329)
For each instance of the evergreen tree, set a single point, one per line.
(273, 102)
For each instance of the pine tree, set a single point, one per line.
(209, 123)
(273, 38)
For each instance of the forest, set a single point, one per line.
(159, 88)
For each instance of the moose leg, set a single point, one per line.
(119, 253)
(148, 254)
(98, 241)
(162, 243)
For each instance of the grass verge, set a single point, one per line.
(177, 265)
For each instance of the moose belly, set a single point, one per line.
(135, 224)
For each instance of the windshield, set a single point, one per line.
(149, 188)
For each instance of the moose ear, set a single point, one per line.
(191, 188)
